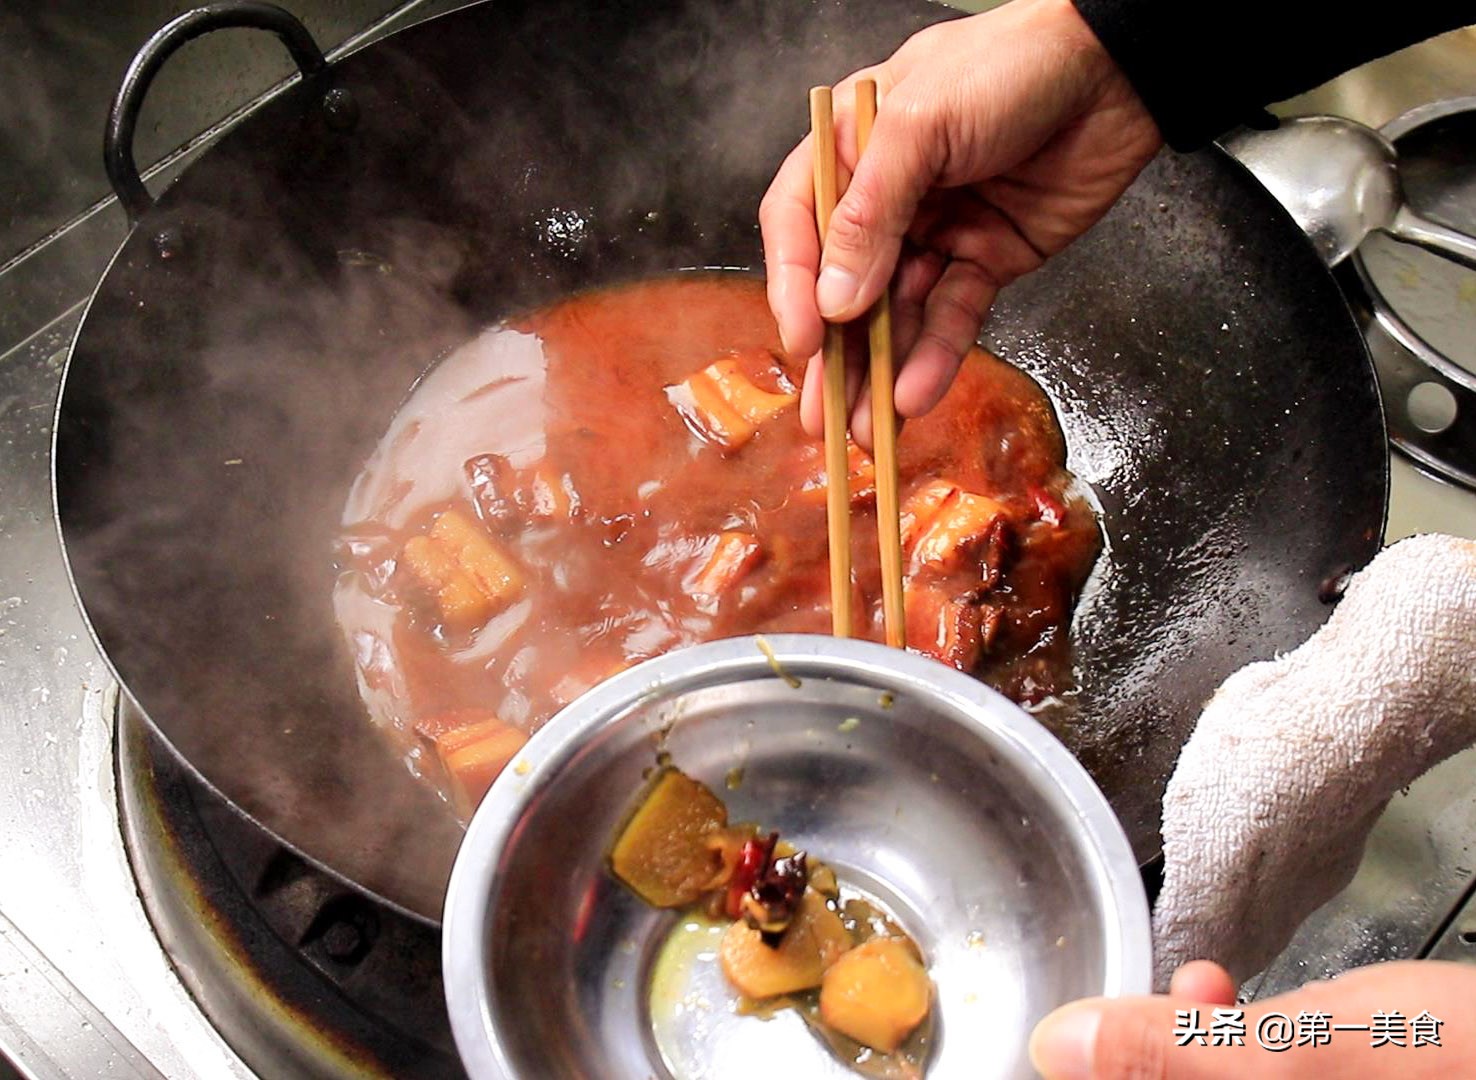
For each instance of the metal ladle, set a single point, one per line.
(1340, 181)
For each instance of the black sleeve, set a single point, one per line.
(1203, 68)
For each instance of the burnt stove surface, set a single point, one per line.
(92, 983)
(304, 975)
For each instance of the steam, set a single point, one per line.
(223, 401)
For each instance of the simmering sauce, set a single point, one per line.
(624, 473)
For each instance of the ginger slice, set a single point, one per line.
(814, 941)
(877, 993)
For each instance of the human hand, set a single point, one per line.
(1000, 138)
(1133, 1038)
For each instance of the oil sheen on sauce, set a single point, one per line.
(615, 498)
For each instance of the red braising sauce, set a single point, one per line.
(624, 473)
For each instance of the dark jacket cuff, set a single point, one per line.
(1203, 69)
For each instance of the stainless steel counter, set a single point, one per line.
(85, 989)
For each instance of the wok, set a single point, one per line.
(258, 328)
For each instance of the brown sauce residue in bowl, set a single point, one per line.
(624, 473)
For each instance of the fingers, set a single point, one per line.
(855, 369)
(1152, 1038)
(951, 317)
(791, 242)
(792, 252)
(863, 432)
(812, 398)
(812, 390)
(917, 273)
(861, 427)
(1203, 980)
(938, 307)
(1077, 1045)
(866, 230)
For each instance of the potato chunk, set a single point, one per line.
(662, 853)
(877, 994)
(815, 940)
(703, 406)
(738, 390)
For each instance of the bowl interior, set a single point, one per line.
(921, 787)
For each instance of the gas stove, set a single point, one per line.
(146, 929)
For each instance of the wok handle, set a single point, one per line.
(118, 158)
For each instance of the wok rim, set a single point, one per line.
(1295, 234)
(1366, 375)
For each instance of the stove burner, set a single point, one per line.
(1416, 308)
(302, 974)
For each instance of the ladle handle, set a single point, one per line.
(118, 158)
(1413, 228)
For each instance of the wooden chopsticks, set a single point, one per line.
(883, 410)
(837, 461)
(883, 419)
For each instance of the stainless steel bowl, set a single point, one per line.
(922, 787)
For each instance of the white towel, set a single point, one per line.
(1268, 810)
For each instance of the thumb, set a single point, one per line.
(1368, 1023)
(1117, 1039)
(1065, 1043)
(870, 220)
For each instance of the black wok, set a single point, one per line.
(260, 325)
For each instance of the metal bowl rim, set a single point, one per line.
(1024, 742)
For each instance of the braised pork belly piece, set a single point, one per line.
(624, 473)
